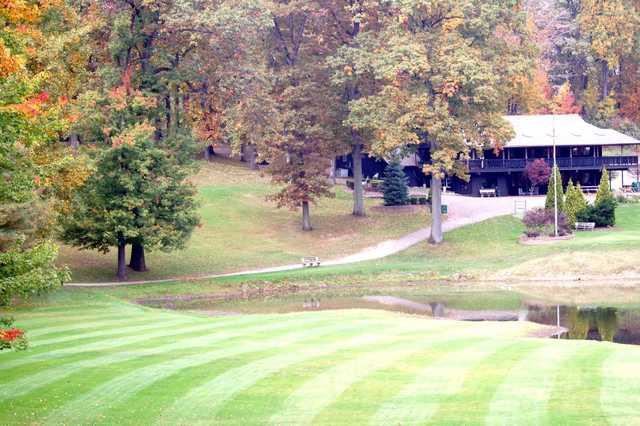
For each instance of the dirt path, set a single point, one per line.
(462, 211)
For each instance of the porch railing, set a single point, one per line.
(563, 162)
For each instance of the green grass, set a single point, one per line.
(241, 230)
(96, 360)
(489, 249)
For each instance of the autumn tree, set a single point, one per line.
(222, 70)
(441, 68)
(144, 76)
(537, 172)
(594, 47)
(28, 120)
(348, 18)
(564, 102)
(299, 111)
(610, 28)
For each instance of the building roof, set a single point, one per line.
(571, 130)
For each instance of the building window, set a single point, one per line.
(581, 151)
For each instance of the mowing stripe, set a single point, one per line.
(113, 343)
(158, 321)
(105, 345)
(27, 384)
(75, 327)
(73, 345)
(418, 401)
(620, 396)
(33, 320)
(360, 401)
(313, 396)
(523, 401)
(471, 403)
(212, 395)
(575, 397)
(131, 328)
(79, 306)
(93, 404)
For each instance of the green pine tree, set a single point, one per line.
(555, 184)
(574, 203)
(394, 186)
(604, 190)
(603, 211)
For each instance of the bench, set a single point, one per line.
(585, 226)
(310, 261)
(589, 188)
(487, 193)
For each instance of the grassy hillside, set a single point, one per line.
(241, 230)
(99, 361)
(488, 249)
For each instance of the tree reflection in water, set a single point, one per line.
(592, 323)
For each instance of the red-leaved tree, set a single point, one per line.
(538, 172)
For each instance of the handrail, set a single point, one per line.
(563, 162)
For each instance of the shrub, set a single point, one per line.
(394, 186)
(603, 210)
(574, 203)
(555, 185)
(27, 271)
(602, 214)
(621, 199)
(540, 222)
(11, 337)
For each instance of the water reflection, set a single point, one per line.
(604, 323)
(591, 322)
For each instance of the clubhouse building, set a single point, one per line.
(582, 152)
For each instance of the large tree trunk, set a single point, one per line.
(74, 142)
(436, 210)
(137, 262)
(252, 158)
(306, 219)
(332, 171)
(358, 190)
(122, 262)
(605, 81)
(173, 110)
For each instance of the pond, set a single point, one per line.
(619, 324)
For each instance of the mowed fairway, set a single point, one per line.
(107, 362)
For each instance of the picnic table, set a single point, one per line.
(488, 192)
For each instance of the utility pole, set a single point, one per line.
(555, 180)
(558, 321)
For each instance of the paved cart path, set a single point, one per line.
(462, 211)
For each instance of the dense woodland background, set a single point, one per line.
(104, 105)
